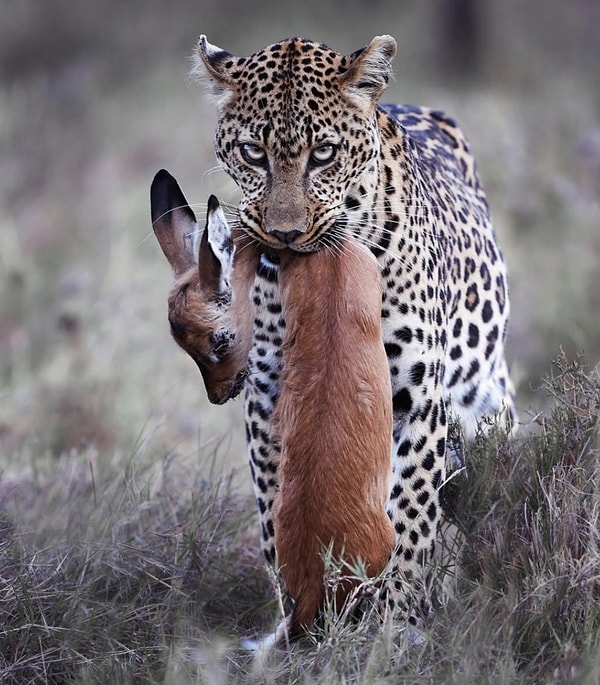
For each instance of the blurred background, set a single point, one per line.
(95, 97)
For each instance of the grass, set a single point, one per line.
(151, 575)
(138, 562)
(128, 539)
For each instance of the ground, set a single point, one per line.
(128, 538)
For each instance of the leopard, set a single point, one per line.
(319, 161)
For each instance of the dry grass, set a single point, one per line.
(129, 565)
(147, 574)
(128, 544)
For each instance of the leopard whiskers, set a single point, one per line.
(213, 170)
(397, 257)
(333, 242)
(244, 242)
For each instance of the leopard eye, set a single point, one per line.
(323, 153)
(253, 154)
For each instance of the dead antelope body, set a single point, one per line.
(333, 419)
(334, 424)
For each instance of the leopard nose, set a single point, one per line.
(285, 237)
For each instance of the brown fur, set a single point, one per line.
(333, 419)
(201, 321)
(334, 424)
(210, 312)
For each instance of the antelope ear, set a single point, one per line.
(368, 73)
(173, 221)
(215, 68)
(215, 255)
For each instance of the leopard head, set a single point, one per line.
(296, 131)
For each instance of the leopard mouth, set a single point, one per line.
(273, 243)
(329, 235)
(296, 240)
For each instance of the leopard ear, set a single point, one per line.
(214, 67)
(368, 73)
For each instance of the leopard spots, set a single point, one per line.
(318, 160)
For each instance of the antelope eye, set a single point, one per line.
(253, 154)
(221, 342)
(323, 153)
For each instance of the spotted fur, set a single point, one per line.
(317, 161)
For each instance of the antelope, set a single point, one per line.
(210, 313)
(333, 419)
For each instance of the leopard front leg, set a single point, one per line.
(418, 463)
(262, 392)
(263, 456)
